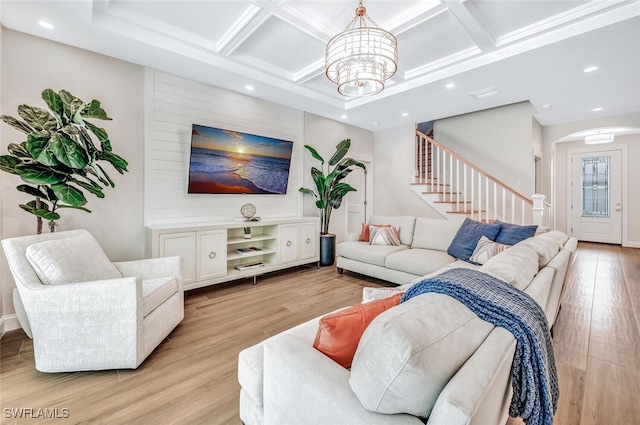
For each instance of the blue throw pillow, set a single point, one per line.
(511, 234)
(465, 241)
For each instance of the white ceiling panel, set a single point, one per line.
(437, 39)
(282, 46)
(527, 49)
(202, 19)
(502, 17)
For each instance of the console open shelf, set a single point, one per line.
(209, 250)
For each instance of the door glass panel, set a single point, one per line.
(596, 198)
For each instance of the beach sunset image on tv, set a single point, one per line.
(224, 161)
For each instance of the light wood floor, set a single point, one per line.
(191, 377)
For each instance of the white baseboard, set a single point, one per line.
(9, 323)
(630, 244)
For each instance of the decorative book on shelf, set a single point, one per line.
(244, 267)
(249, 250)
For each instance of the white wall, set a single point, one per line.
(139, 99)
(323, 135)
(3, 262)
(394, 151)
(498, 140)
(174, 104)
(551, 134)
(30, 65)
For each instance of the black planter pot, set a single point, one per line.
(327, 249)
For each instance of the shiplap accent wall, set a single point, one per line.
(172, 105)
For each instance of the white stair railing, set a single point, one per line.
(471, 190)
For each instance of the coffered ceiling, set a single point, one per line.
(448, 50)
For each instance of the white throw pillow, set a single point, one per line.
(517, 265)
(75, 259)
(409, 353)
(372, 294)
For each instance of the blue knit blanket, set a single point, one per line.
(533, 372)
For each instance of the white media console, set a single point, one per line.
(211, 251)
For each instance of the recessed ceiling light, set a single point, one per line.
(597, 109)
(590, 69)
(450, 85)
(375, 123)
(344, 117)
(405, 114)
(249, 87)
(47, 25)
(546, 106)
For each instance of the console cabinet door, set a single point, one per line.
(212, 254)
(183, 245)
(309, 241)
(288, 242)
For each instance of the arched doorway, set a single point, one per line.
(591, 183)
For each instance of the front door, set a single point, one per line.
(596, 196)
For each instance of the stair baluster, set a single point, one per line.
(469, 190)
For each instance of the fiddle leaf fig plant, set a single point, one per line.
(330, 189)
(60, 159)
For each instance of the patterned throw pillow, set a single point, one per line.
(384, 235)
(371, 294)
(364, 234)
(486, 249)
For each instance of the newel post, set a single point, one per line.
(538, 208)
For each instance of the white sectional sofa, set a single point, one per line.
(423, 250)
(455, 367)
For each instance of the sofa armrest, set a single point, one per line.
(480, 392)
(302, 385)
(152, 268)
(99, 319)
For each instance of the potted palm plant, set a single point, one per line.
(329, 191)
(59, 159)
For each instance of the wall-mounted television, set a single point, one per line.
(226, 162)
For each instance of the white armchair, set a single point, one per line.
(86, 313)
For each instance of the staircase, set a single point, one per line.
(456, 189)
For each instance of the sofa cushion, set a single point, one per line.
(556, 235)
(156, 291)
(384, 235)
(516, 265)
(405, 223)
(77, 258)
(339, 333)
(546, 246)
(511, 234)
(432, 233)
(486, 249)
(408, 353)
(370, 254)
(418, 261)
(468, 235)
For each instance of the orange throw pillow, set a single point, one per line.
(339, 333)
